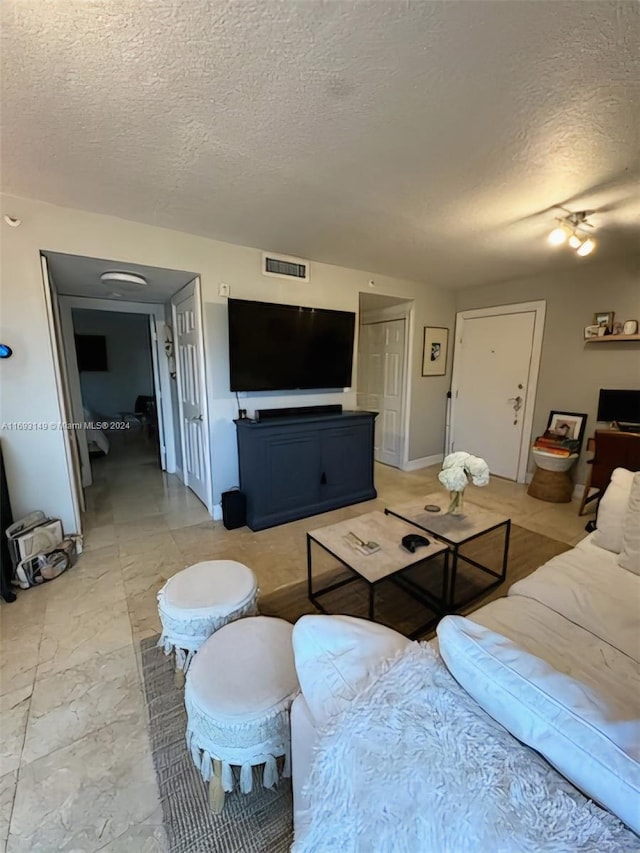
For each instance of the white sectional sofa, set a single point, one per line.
(556, 663)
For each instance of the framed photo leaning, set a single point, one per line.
(567, 425)
(435, 350)
(604, 318)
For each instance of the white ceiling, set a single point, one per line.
(74, 275)
(422, 139)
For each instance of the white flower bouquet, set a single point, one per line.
(457, 468)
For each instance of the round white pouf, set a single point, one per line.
(200, 600)
(239, 689)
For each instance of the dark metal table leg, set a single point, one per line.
(309, 581)
(505, 556)
(452, 586)
(445, 580)
(372, 592)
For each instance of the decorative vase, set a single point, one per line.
(457, 503)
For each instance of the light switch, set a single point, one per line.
(223, 289)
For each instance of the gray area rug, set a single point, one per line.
(259, 822)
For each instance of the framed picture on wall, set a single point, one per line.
(434, 350)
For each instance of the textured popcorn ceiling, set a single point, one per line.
(419, 139)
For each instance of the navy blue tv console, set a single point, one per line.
(293, 467)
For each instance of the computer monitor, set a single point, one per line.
(619, 406)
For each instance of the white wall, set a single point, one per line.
(28, 386)
(129, 372)
(572, 371)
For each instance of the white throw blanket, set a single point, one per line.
(414, 765)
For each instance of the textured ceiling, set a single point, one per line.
(74, 275)
(421, 139)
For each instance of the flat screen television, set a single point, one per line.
(286, 347)
(619, 406)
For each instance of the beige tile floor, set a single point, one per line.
(75, 763)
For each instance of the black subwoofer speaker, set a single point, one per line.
(234, 509)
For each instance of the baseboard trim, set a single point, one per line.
(217, 512)
(423, 462)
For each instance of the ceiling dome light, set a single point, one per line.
(587, 247)
(574, 241)
(557, 236)
(124, 277)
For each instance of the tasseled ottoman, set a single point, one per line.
(239, 689)
(200, 600)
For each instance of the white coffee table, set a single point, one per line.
(456, 531)
(389, 563)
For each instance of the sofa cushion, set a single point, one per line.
(571, 725)
(335, 656)
(587, 586)
(612, 511)
(630, 556)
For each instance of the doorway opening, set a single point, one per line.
(384, 368)
(121, 387)
(117, 385)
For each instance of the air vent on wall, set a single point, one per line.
(284, 266)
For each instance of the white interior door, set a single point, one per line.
(381, 372)
(72, 452)
(192, 395)
(75, 389)
(157, 388)
(492, 372)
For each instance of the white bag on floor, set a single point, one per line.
(46, 566)
(32, 535)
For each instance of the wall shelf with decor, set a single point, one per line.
(611, 338)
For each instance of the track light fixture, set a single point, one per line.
(587, 247)
(571, 229)
(558, 236)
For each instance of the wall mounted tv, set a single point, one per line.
(286, 347)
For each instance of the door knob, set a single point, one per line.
(517, 405)
(517, 402)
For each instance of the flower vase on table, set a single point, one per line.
(457, 503)
(457, 469)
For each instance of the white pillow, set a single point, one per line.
(612, 511)
(334, 658)
(570, 724)
(630, 556)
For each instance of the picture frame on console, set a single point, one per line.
(435, 349)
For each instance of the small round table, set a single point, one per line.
(200, 600)
(552, 481)
(238, 693)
